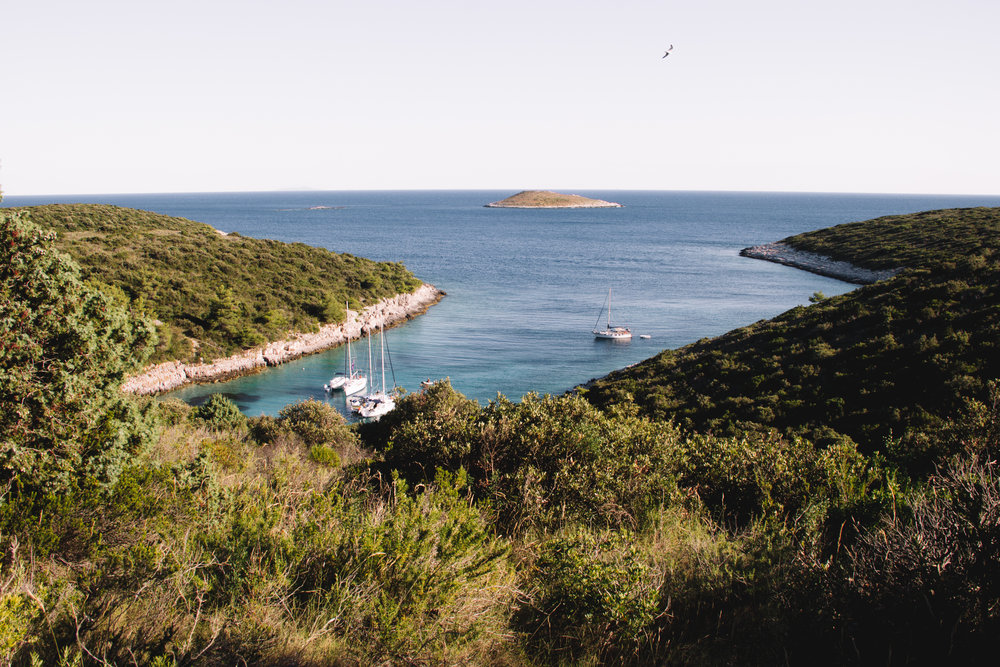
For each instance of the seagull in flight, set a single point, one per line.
(667, 52)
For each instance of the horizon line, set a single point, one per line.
(495, 189)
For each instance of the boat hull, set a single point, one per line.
(355, 384)
(336, 382)
(376, 405)
(613, 334)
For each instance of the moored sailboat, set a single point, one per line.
(351, 381)
(380, 402)
(610, 332)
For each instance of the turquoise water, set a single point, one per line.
(525, 287)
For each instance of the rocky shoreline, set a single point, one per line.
(175, 374)
(781, 253)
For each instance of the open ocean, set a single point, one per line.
(525, 287)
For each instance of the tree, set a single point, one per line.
(817, 297)
(65, 347)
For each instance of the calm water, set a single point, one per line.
(525, 287)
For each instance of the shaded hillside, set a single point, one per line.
(871, 364)
(215, 293)
(925, 239)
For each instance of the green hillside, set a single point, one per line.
(927, 240)
(871, 364)
(215, 293)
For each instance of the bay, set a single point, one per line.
(525, 287)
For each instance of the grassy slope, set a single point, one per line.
(871, 363)
(225, 292)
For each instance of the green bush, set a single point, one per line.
(219, 412)
(324, 455)
(426, 431)
(317, 423)
(545, 462)
(542, 462)
(173, 411)
(65, 347)
(415, 579)
(590, 595)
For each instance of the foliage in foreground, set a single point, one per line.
(65, 347)
(245, 548)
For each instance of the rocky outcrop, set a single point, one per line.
(548, 199)
(781, 253)
(175, 374)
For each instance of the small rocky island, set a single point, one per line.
(547, 199)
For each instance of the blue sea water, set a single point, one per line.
(525, 287)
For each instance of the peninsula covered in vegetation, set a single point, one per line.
(820, 488)
(226, 304)
(547, 199)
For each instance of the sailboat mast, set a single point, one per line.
(609, 308)
(381, 343)
(370, 369)
(349, 369)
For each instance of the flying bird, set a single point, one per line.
(667, 52)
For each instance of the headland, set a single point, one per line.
(782, 253)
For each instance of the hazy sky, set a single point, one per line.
(110, 96)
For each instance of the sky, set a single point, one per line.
(120, 96)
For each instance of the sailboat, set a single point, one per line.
(611, 332)
(355, 403)
(381, 402)
(351, 380)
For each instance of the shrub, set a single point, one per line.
(545, 462)
(924, 586)
(427, 431)
(219, 413)
(324, 455)
(412, 579)
(173, 411)
(317, 423)
(590, 595)
(65, 347)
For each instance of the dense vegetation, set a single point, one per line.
(548, 531)
(919, 240)
(875, 364)
(215, 294)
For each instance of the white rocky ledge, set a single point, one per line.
(175, 374)
(781, 253)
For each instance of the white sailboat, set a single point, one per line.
(355, 403)
(610, 332)
(381, 402)
(351, 381)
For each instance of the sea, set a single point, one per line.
(525, 288)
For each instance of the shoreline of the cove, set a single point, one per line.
(782, 253)
(171, 375)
